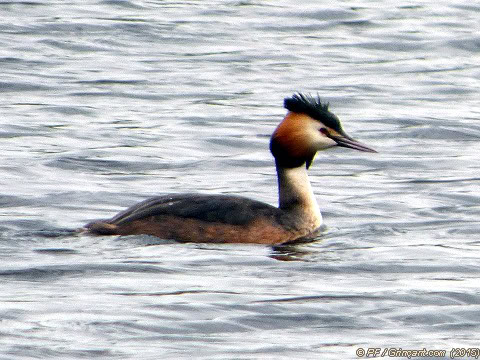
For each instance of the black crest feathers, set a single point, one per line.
(313, 107)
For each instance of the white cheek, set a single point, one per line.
(320, 141)
(316, 138)
(324, 142)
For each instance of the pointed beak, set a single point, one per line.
(348, 142)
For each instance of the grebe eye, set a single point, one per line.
(324, 131)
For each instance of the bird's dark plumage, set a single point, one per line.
(233, 210)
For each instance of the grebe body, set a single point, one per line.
(207, 218)
(307, 128)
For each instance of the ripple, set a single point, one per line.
(21, 87)
(69, 110)
(75, 47)
(112, 82)
(440, 181)
(471, 44)
(46, 273)
(122, 4)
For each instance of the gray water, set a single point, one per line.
(106, 103)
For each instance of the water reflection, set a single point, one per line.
(292, 252)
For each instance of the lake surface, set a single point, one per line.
(106, 103)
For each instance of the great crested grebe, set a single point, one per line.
(307, 128)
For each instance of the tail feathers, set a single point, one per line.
(102, 228)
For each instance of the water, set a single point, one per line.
(105, 103)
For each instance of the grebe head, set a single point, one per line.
(308, 127)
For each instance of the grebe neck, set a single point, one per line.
(296, 194)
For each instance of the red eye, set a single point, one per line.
(324, 131)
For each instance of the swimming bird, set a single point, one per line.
(308, 127)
